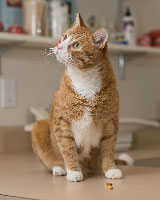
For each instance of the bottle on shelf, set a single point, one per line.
(129, 27)
(58, 18)
(35, 17)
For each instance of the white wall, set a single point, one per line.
(36, 80)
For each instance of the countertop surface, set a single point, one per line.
(23, 177)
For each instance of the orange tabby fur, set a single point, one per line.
(54, 140)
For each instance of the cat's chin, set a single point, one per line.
(60, 60)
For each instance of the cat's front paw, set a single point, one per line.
(74, 176)
(59, 171)
(113, 174)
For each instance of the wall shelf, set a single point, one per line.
(28, 41)
(125, 49)
(10, 40)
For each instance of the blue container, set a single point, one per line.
(11, 13)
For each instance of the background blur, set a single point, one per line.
(37, 75)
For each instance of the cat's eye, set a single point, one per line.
(76, 45)
(65, 37)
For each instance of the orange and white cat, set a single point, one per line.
(80, 136)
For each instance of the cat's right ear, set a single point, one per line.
(79, 21)
(100, 37)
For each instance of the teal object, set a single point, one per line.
(72, 9)
(10, 15)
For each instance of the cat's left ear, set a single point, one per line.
(100, 37)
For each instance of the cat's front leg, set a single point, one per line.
(68, 150)
(108, 146)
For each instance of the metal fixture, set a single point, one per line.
(121, 67)
(120, 15)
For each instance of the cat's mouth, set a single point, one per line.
(60, 54)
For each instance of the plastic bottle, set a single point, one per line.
(58, 15)
(129, 28)
(35, 17)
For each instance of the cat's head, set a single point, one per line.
(81, 47)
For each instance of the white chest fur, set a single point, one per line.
(85, 83)
(86, 134)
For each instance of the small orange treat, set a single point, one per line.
(109, 186)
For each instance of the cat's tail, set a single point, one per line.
(124, 159)
(42, 144)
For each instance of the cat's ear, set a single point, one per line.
(100, 37)
(79, 21)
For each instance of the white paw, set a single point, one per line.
(59, 171)
(74, 176)
(113, 173)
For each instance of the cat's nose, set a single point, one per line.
(59, 47)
